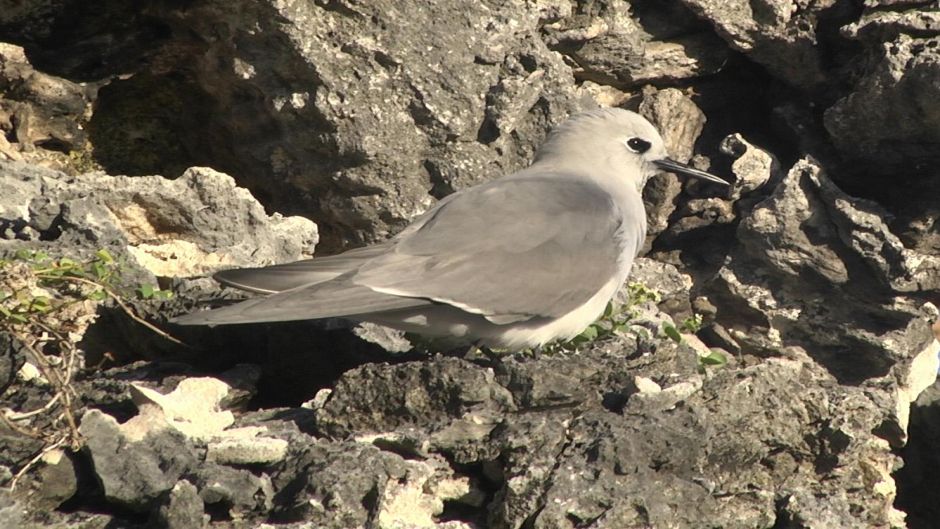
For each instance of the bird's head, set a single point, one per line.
(613, 140)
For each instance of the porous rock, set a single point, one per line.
(681, 121)
(778, 34)
(182, 509)
(614, 44)
(135, 474)
(195, 224)
(889, 121)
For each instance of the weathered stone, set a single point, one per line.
(369, 399)
(41, 115)
(752, 167)
(182, 509)
(778, 34)
(134, 474)
(235, 491)
(338, 485)
(169, 228)
(889, 122)
(681, 121)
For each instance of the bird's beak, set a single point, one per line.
(673, 166)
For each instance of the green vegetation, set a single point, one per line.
(46, 305)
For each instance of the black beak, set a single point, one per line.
(680, 168)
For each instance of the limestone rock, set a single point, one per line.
(170, 228)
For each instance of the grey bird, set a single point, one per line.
(516, 262)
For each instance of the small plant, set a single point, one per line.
(692, 324)
(46, 305)
(714, 359)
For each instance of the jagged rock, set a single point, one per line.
(58, 481)
(752, 166)
(778, 34)
(135, 473)
(235, 491)
(612, 45)
(681, 122)
(195, 224)
(818, 269)
(339, 485)
(182, 509)
(192, 409)
(354, 126)
(888, 123)
(41, 115)
(368, 400)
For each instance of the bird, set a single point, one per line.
(516, 262)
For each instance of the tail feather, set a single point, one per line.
(335, 298)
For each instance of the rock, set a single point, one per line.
(777, 34)
(237, 492)
(246, 451)
(183, 509)
(338, 485)
(367, 399)
(671, 286)
(354, 126)
(192, 409)
(752, 167)
(898, 88)
(135, 473)
(614, 46)
(58, 481)
(674, 113)
(41, 115)
(839, 292)
(168, 228)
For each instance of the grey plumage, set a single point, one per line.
(518, 261)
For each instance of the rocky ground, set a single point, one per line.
(773, 364)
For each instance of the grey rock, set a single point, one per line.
(235, 491)
(805, 268)
(612, 44)
(182, 509)
(368, 399)
(370, 116)
(883, 25)
(752, 167)
(134, 474)
(170, 228)
(41, 115)
(57, 481)
(778, 34)
(898, 88)
(339, 485)
(681, 121)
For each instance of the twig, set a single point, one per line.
(28, 414)
(32, 462)
(127, 310)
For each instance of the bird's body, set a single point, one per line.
(516, 262)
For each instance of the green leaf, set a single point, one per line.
(104, 256)
(145, 291)
(588, 334)
(715, 358)
(163, 294)
(97, 295)
(673, 333)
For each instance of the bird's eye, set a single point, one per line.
(638, 145)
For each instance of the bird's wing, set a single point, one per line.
(509, 250)
(278, 278)
(334, 298)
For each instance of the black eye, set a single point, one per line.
(638, 145)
